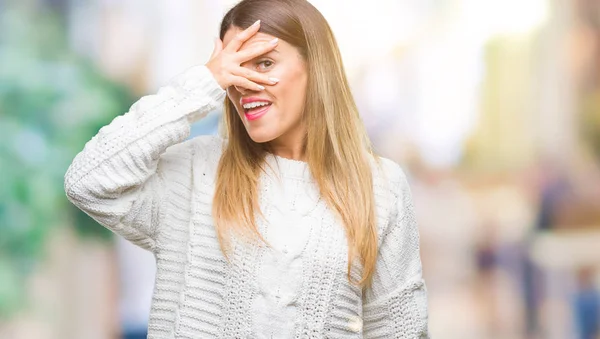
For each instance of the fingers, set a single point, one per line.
(253, 52)
(245, 83)
(241, 37)
(255, 76)
(225, 62)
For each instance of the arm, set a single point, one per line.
(395, 306)
(119, 178)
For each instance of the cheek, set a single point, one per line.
(290, 97)
(292, 85)
(294, 92)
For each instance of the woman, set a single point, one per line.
(288, 227)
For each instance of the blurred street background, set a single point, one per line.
(492, 107)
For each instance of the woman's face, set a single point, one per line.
(278, 116)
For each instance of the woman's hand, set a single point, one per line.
(225, 63)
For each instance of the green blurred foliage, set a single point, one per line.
(51, 103)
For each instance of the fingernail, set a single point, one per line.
(274, 41)
(274, 80)
(256, 23)
(261, 87)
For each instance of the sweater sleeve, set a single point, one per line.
(395, 306)
(120, 177)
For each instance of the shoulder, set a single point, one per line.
(204, 148)
(208, 144)
(388, 174)
(391, 189)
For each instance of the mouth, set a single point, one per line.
(257, 109)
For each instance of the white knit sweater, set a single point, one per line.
(142, 179)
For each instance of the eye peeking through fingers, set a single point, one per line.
(264, 65)
(259, 65)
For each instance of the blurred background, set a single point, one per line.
(492, 107)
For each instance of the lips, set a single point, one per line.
(255, 107)
(257, 112)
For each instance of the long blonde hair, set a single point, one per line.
(336, 146)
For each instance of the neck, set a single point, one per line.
(290, 145)
(294, 153)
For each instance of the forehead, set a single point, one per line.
(259, 37)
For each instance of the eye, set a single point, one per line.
(264, 64)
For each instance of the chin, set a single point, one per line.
(261, 137)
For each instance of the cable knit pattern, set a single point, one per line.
(142, 179)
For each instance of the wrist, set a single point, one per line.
(216, 76)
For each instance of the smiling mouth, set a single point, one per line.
(256, 109)
(258, 112)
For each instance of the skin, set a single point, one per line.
(251, 60)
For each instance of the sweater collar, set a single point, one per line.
(289, 168)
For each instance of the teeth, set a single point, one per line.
(256, 104)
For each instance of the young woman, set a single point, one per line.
(286, 227)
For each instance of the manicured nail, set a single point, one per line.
(256, 23)
(261, 87)
(274, 80)
(274, 41)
